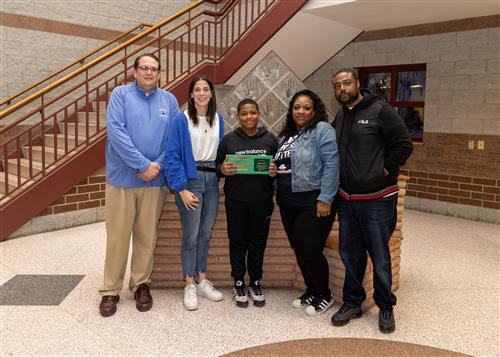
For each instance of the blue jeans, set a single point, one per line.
(367, 226)
(197, 225)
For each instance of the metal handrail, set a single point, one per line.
(52, 117)
(78, 61)
(98, 60)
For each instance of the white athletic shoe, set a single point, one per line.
(190, 298)
(206, 289)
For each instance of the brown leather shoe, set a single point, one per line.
(143, 298)
(107, 307)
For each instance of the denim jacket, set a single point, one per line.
(315, 162)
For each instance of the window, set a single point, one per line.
(403, 87)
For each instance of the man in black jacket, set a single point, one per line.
(373, 143)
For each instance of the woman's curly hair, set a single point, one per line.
(320, 114)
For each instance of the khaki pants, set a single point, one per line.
(129, 211)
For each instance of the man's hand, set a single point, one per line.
(151, 173)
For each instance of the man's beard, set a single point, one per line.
(350, 99)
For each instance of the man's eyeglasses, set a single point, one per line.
(148, 69)
(338, 85)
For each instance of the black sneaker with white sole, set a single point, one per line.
(303, 300)
(319, 305)
(255, 292)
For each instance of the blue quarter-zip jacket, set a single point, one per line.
(179, 158)
(137, 126)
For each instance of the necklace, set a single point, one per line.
(203, 123)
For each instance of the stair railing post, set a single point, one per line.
(18, 145)
(189, 42)
(30, 163)
(42, 128)
(87, 130)
(6, 166)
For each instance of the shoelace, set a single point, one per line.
(240, 290)
(256, 289)
(191, 292)
(210, 285)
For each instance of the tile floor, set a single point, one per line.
(448, 298)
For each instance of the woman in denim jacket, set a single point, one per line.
(307, 181)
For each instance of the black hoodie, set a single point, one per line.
(247, 188)
(373, 143)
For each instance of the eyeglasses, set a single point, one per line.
(148, 69)
(346, 83)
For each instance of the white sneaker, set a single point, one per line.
(206, 289)
(240, 297)
(190, 299)
(255, 292)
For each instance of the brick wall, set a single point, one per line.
(444, 169)
(462, 105)
(475, 191)
(89, 193)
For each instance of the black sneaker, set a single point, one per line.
(240, 297)
(345, 314)
(319, 305)
(255, 292)
(386, 323)
(303, 300)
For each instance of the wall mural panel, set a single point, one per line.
(271, 84)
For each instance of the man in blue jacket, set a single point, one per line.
(137, 120)
(373, 143)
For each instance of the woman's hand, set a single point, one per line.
(273, 170)
(322, 209)
(228, 168)
(190, 200)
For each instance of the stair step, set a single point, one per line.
(82, 118)
(81, 128)
(49, 140)
(37, 154)
(12, 182)
(25, 167)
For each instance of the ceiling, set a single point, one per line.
(383, 14)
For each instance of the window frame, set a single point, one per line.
(394, 70)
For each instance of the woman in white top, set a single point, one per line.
(191, 151)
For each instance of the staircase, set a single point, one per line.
(54, 138)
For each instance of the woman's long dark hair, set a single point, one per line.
(320, 113)
(212, 105)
